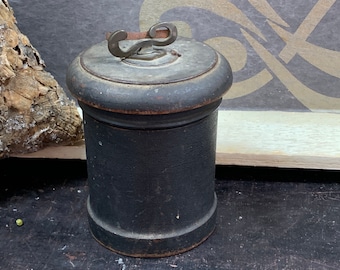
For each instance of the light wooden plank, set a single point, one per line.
(58, 152)
(259, 138)
(279, 139)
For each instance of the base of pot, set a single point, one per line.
(153, 244)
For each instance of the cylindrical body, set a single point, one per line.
(150, 132)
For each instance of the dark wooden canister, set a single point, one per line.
(150, 123)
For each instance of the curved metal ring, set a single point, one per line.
(171, 37)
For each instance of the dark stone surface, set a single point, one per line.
(267, 219)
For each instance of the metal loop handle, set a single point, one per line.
(155, 36)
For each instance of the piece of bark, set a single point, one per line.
(34, 110)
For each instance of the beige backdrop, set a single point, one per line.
(259, 24)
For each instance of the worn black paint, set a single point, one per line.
(151, 191)
(150, 130)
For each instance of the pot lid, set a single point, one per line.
(183, 60)
(184, 75)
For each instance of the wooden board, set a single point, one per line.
(279, 139)
(259, 138)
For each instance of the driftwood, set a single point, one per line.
(34, 109)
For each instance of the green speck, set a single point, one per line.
(19, 222)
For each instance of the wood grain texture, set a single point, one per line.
(260, 138)
(280, 139)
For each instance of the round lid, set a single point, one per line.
(187, 75)
(182, 61)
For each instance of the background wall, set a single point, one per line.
(61, 29)
(285, 55)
